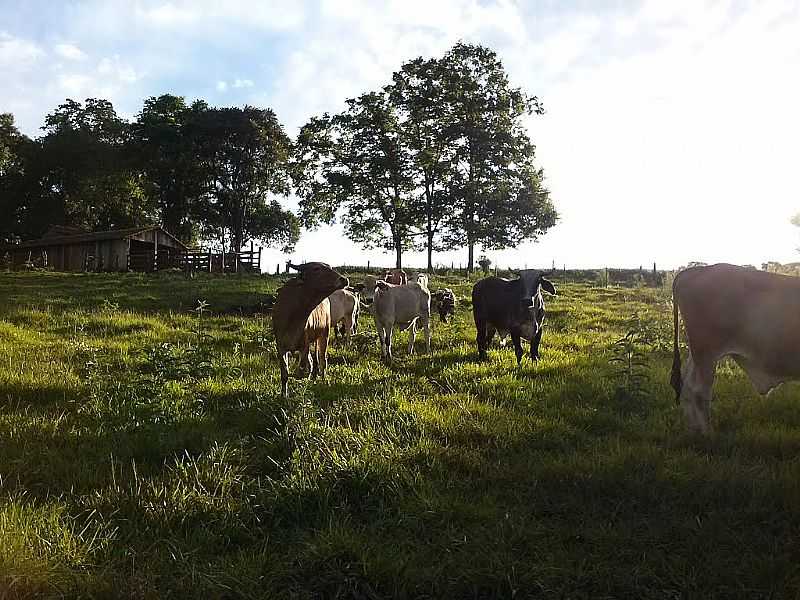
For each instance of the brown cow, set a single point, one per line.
(396, 277)
(301, 318)
(750, 315)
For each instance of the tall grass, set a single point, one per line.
(145, 452)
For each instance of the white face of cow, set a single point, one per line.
(532, 284)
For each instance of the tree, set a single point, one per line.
(500, 197)
(165, 146)
(354, 166)
(244, 154)
(10, 139)
(418, 93)
(81, 171)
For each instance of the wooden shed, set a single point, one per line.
(63, 248)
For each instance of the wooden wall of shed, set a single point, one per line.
(110, 255)
(113, 255)
(163, 239)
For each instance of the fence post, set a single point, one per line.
(210, 261)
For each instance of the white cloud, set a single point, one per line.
(169, 15)
(17, 53)
(207, 14)
(119, 71)
(70, 52)
(243, 83)
(75, 85)
(222, 86)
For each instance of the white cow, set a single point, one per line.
(403, 306)
(422, 279)
(345, 308)
(368, 291)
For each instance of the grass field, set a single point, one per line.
(145, 453)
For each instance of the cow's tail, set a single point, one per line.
(675, 380)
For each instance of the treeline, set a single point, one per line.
(438, 159)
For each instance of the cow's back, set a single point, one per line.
(402, 303)
(728, 309)
(342, 303)
(320, 318)
(495, 300)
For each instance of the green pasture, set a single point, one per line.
(145, 452)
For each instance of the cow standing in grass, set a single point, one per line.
(749, 315)
(510, 306)
(301, 319)
(403, 306)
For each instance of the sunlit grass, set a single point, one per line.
(438, 476)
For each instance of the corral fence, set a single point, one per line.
(196, 260)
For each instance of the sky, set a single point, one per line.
(671, 132)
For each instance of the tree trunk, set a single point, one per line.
(398, 248)
(470, 255)
(430, 252)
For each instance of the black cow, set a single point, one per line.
(445, 302)
(511, 306)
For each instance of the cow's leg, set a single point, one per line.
(322, 353)
(517, 347)
(304, 364)
(412, 336)
(388, 338)
(347, 328)
(762, 380)
(480, 326)
(698, 381)
(314, 358)
(490, 331)
(283, 360)
(535, 344)
(381, 338)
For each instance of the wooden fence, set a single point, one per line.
(196, 260)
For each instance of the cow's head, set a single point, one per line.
(445, 303)
(533, 282)
(319, 276)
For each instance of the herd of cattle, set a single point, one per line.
(318, 299)
(751, 316)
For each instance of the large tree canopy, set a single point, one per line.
(500, 199)
(165, 144)
(208, 173)
(80, 172)
(354, 164)
(245, 156)
(440, 155)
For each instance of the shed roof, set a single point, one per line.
(93, 236)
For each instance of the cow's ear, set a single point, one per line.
(547, 285)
